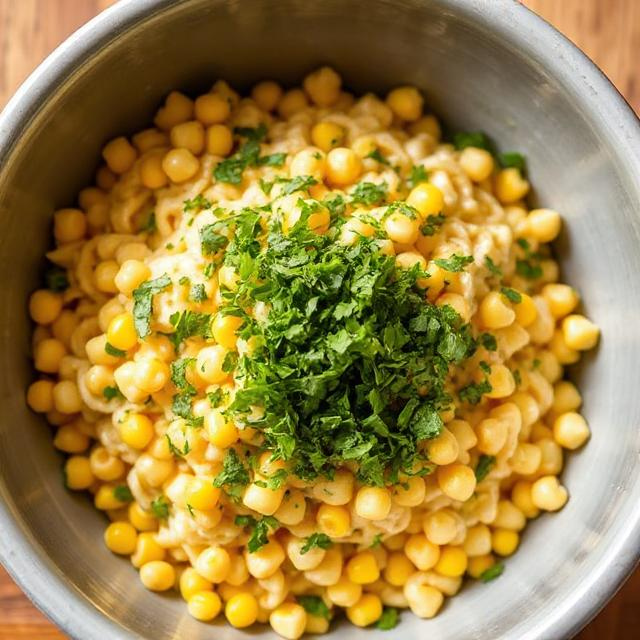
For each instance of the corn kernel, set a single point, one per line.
(121, 538)
(204, 605)
(579, 333)
(157, 575)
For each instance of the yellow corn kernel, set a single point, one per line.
(566, 397)
(147, 550)
(47, 355)
(508, 516)
(292, 102)
(288, 620)
(45, 306)
(327, 135)
(201, 494)
(323, 86)
(191, 582)
(423, 553)
(136, 430)
(398, 570)
(476, 163)
(131, 275)
(344, 593)
(148, 139)
(241, 610)
(142, 520)
(426, 198)
(561, 350)
(152, 174)
(334, 520)
(338, 491)
(477, 541)
(570, 430)
(66, 397)
(104, 276)
(427, 124)
(526, 459)
(441, 526)
(266, 94)
(151, 375)
(406, 103)
(410, 492)
(401, 228)
(266, 560)
(552, 457)
(262, 499)
(219, 140)
(180, 165)
(444, 449)
(316, 624)
(106, 498)
(77, 472)
(510, 186)
(293, 508)
(424, 600)
(543, 224)
(211, 108)
(188, 135)
(177, 108)
(504, 541)
(452, 562)
(303, 561)
(64, 326)
(366, 611)
(343, 166)
(463, 433)
(501, 381)
(157, 575)
(209, 364)
(121, 538)
(221, 432)
(560, 298)
(492, 435)
(213, 564)
(521, 497)
(224, 330)
(478, 565)
(70, 440)
(495, 312)
(548, 494)
(579, 333)
(373, 503)
(97, 378)
(121, 333)
(526, 310)
(457, 481)
(105, 178)
(363, 568)
(204, 605)
(40, 396)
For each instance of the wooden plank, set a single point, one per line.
(608, 31)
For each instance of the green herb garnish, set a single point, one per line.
(369, 193)
(455, 263)
(319, 540)
(259, 530)
(143, 303)
(315, 606)
(492, 572)
(492, 266)
(122, 493)
(512, 295)
(112, 351)
(485, 463)
(160, 507)
(56, 279)
(477, 139)
(388, 620)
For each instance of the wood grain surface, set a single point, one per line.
(608, 31)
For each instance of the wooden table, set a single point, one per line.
(607, 30)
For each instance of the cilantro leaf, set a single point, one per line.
(299, 183)
(455, 263)
(143, 303)
(112, 351)
(199, 202)
(488, 341)
(56, 279)
(377, 541)
(528, 269)
(198, 293)
(210, 241)
(150, 224)
(274, 481)
(369, 193)
(274, 160)
(160, 507)
(122, 493)
(492, 266)
(477, 139)
(319, 540)
(388, 620)
(473, 392)
(485, 463)
(233, 474)
(112, 392)
(377, 156)
(512, 159)
(315, 606)
(511, 294)
(492, 572)
(216, 398)
(430, 227)
(178, 375)
(187, 324)
(259, 530)
(418, 175)
(174, 450)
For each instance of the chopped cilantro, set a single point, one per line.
(418, 175)
(190, 510)
(299, 183)
(274, 160)
(122, 493)
(477, 139)
(488, 341)
(210, 241)
(430, 227)
(216, 398)
(512, 159)
(188, 324)
(388, 620)
(529, 267)
(150, 223)
(315, 606)
(319, 540)
(376, 542)
(234, 474)
(274, 481)
(336, 204)
(369, 193)
(259, 530)
(512, 295)
(377, 156)
(492, 266)
(455, 263)
(112, 351)
(143, 303)
(56, 279)
(174, 450)
(473, 392)
(517, 377)
(198, 293)
(112, 392)
(485, 463)
(199, 202)
(160, 508)
(492, 572)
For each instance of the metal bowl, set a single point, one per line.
(489, 66)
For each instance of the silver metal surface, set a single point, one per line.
(483, 64)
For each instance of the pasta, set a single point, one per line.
(306, 356)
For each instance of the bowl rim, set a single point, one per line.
(22, 556)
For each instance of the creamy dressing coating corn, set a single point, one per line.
(108, 392)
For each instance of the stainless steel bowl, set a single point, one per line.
(483, 65)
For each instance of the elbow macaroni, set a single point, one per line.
(109, 392)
